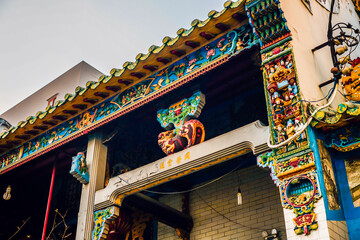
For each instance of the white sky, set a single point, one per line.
(42, 39)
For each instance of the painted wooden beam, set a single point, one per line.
(160, 211)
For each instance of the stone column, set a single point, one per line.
(96, 160)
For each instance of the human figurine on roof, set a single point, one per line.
(287, 105)
(290, 128)
(278, 103)
(291, 92)
(288, 62)
(281, 134)
(271, 71)
(298, 127)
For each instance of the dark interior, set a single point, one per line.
(234, 97)
(30, 185)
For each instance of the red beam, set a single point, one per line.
(49, 201)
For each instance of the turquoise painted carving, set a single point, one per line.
(79, 168)
(187, 132)
(267, 160)
(267, 20)
(102, 219)
(177, 114)
(344, 139)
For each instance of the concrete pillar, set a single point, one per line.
(96, 161)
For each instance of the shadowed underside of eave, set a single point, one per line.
(158, 58)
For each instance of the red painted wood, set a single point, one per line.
(49, 201)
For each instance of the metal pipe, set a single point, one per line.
(49, 201)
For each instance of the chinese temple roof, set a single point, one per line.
(159, 57)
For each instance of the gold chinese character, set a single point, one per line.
(169, 162)
(162, 165)
(178, 160)
(187, 156)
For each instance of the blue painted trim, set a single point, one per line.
(352, 214)
(350, 211)
(336, 215)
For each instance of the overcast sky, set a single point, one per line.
(42, 39)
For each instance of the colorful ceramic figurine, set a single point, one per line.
(281, 134)
(290, 129)
(278, 104)
(287, 105)
(299, 127)
(351, 83)
(79, 168)
(187, 132)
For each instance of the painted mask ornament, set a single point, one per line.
(79, 168)
(187, 132)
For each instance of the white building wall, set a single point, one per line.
(308, 31)
(66, 83)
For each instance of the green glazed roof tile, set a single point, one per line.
(329, 117)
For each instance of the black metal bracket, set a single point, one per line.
(322, 45)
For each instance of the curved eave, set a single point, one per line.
(344, 114)
(173, 49)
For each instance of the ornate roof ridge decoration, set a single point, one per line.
(268, 21)
(158, 58)
(159, 83)
(330, 118)
(357, 6)
(341, 126)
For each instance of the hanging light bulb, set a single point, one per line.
(7, 194)
(239, 197)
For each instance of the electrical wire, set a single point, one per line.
(307, 101)
(189, 190)
(198, 187)
(305, 126)
(225, 217)
(350, 41)
(111, 137)
(201, 186)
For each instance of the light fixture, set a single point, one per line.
(239, 197)
(7, 194)
(272, 236)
